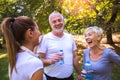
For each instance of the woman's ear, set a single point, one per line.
(29, 33)
(99, 37)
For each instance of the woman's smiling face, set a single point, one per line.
(92, 38)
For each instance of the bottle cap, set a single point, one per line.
(87, 61)
(61, 50)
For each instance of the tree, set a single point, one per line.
(82, 13)
(78, 14)
(115, 9)
(14, 8)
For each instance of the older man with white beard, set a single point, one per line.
(49, 48)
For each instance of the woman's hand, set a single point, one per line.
(79, 77)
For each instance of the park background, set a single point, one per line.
(78, 14)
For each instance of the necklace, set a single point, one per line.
(96, 57)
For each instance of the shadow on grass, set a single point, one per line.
(3, 65)
(115, 72)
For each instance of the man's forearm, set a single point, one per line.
(46, 62)
(77, 65)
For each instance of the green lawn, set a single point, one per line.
(4, 68)
(3, 65)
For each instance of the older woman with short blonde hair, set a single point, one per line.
(99, 56)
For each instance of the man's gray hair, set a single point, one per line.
(54, 13)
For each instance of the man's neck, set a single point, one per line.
(58, 34)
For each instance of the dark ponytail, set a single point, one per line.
(14, 33)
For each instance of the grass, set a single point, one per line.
(3, 65)
(116, 72)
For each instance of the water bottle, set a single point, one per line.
(88, 68)
(61, 61)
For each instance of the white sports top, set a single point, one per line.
(27, 64)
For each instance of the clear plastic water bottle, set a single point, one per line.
(61, 61)
(88, 68)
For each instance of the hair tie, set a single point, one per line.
(12, 20)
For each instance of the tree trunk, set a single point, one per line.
(110, 22)
(109, 36)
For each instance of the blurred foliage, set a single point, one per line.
(78, 14)
(83, 13)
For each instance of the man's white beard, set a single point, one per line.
(58, 30)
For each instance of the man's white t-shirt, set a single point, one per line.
(51, 45)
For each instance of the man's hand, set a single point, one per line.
(55, 58)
